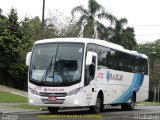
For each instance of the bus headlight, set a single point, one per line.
(31, 101)
(76, 102)
(75, 91)
(33, 91)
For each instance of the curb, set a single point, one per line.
(17, 112)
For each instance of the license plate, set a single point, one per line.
(52, 98)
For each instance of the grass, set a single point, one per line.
(148, 103)
(6, 97)
(26, 106)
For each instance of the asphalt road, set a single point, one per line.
(110, 113)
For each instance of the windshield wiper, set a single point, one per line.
(48, 68)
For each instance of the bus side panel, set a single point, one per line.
(143, 92)
(138, 85)
(113, 84)
(118, 86)
(125, 88)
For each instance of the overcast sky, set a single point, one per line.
(143, 15)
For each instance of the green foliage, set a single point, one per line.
(152, 50)
(33, 29)
(12, 45)
(9, 42)
(73, 31)
(88, 20)
(123, 36)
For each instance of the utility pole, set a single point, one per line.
(43, 11)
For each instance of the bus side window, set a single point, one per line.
(145, 66)
(108, 59)
(92, 68)
(129, 63)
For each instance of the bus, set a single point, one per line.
(83, 72)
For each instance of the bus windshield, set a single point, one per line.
(56, 64)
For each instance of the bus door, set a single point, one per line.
(90, 72)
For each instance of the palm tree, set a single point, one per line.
(117, 31)
(129, 40)
(123, 36)
(88, 20)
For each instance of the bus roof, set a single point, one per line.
(94, 41)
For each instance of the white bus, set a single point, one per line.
(82, 72)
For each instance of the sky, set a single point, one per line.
(143, 15)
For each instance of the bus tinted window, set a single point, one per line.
(117, 60)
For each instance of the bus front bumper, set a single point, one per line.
(68, 101)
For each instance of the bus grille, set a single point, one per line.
(58, 101)
(43, 94)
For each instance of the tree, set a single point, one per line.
(63, 26)
(152, 50)
(88, 20)
(71, 31)
(129, 41)
(8, 42)
(123, 36)
(13, 42)
(32, 29)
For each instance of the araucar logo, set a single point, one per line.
(107, 76)
(45, 89)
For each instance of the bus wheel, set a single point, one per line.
(98, 106)
(53, 109)
(129, 106)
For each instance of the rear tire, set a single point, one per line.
(98, 106)
(129, 106)
(53, 109)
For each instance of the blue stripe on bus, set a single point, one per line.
(135, 85)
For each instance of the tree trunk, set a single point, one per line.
(3, 77)
(155, 92)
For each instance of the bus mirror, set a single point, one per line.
(89, 58)
(28, 58)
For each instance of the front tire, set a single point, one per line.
(129, 106)
(98, 107)
(53, 109)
